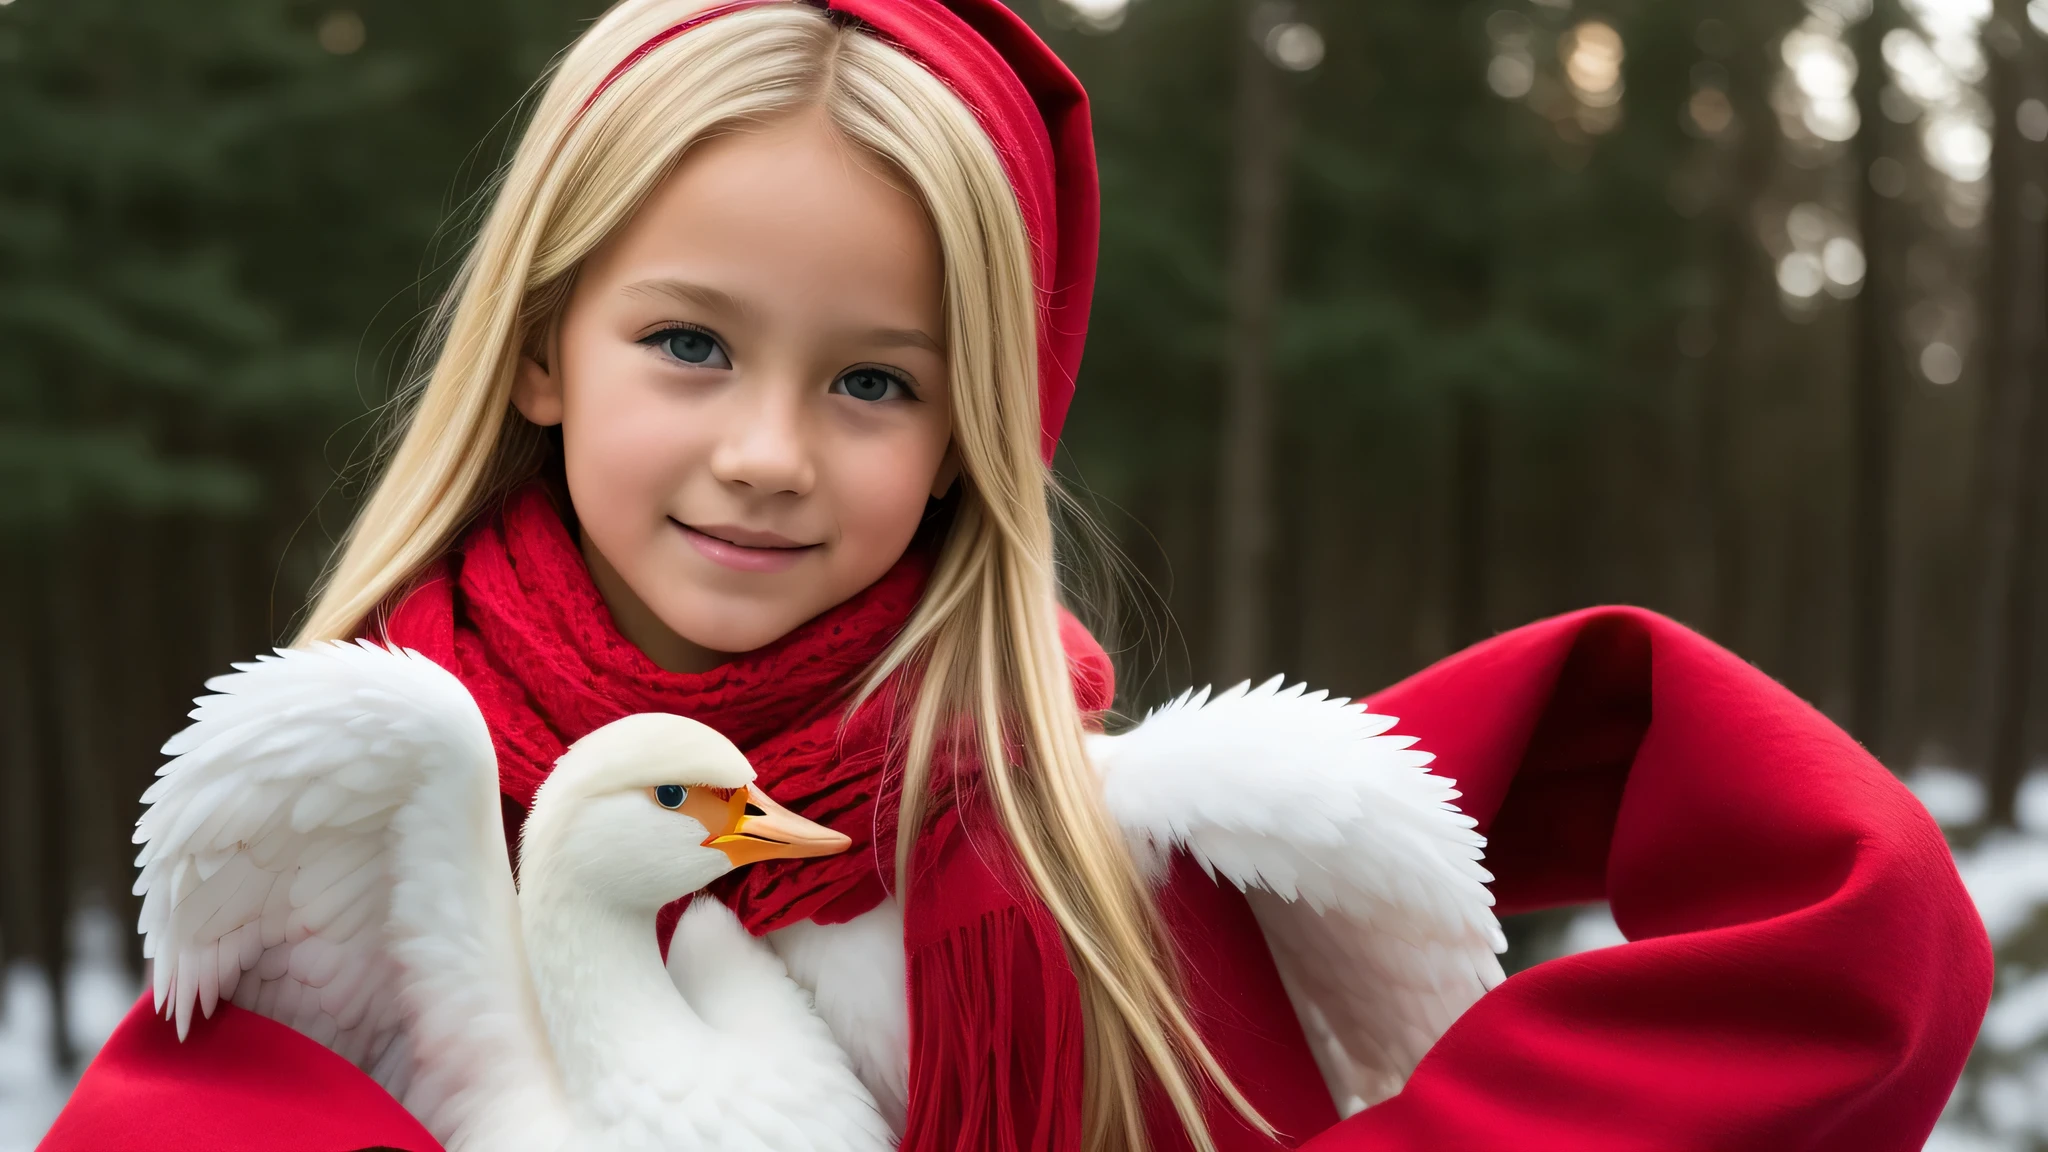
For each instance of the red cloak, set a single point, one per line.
(1805, 969)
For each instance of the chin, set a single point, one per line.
(723, 626)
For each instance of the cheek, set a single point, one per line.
(881, 494)
(625, 446)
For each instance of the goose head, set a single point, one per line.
(651, 808)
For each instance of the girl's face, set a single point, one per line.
(752, 386)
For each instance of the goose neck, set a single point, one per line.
(608, 1003)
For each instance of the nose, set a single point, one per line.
(766, 445)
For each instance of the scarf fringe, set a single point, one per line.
(995, 1062)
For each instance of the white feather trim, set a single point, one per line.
(1363, 873)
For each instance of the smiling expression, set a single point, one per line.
(753, 390)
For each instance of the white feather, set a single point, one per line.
(1363, 873)
(266, 848)
(856, 973)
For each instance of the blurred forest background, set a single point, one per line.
(1418, 320)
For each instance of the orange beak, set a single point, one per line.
(757, 828)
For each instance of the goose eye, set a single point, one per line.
(670, 795)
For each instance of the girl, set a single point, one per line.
(742, 410)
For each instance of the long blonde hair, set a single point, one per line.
(984, 639)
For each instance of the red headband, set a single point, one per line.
(1036, 115)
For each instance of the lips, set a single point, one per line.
(743, 549)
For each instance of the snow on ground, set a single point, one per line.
(1591, 928)
(31, 1090)
(1955, 799)
(2019, 1018)
(2007, 875)
(1948, 1139)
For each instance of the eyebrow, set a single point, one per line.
(719, 300)
(684, 292)
(905, 338)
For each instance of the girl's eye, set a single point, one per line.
(692, 347)
(870, 384)
(671, 795)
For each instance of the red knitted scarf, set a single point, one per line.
(514, 613)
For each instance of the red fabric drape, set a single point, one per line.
(1805, 969)
(239, 1083)
(1805, 972)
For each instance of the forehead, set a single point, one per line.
(789, 214)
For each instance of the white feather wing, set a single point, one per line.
(267, 877)
(1364, 875)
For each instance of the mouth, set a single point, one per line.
(744, 549)
(761, 829)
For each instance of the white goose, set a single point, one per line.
(326, 848)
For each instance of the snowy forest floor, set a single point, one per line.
(2000, 1106)
(32, 1089)
(2002, 1103)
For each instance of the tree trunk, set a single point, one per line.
(1471, 515)
(48, 777)
(2012, 648)
(1745, 295)
(2016, 394)
(1244, 467)
(1871, 478)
